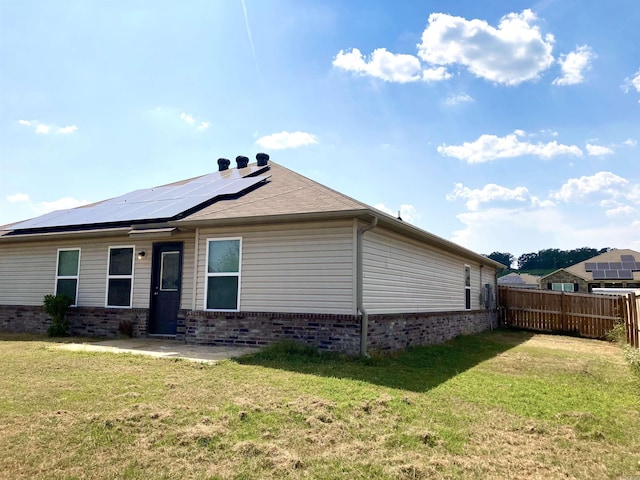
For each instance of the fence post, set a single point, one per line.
(564, 324)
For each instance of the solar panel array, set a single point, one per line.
(622, 270)
(159, 203)
(511, 280)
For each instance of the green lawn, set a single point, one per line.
(496, 405)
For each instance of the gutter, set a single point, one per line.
(364, 323)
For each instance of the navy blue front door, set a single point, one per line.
(166, 285)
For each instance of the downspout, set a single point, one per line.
(364, 323)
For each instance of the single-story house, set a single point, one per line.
(247, 255)
(520, 280)
(617, 268)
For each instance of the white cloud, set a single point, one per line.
(204, 125)
(488, 193)
(632, 83)
(598, 150)
(459, 98)
(576, 189)
(574, 64)
(69, 129)
(622, 211)
(491, 147)
(630, 142)
(510, 54)
(187, 118)
(282, 140)
(495, 230)
(18, 197)
(44, 129)
(390, 67)
(407, 212)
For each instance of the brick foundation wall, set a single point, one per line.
(399, 331)
(83, 321)
(325, 332)
(339, 333)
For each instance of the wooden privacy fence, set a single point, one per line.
(591, 316)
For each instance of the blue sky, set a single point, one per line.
(503, 126)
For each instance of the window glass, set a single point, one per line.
(223, 274)
(562, 287)
(120, 277)
(121, 261)
(67, 273)
(222, 293)
(119, 292)
(224, 256)
(467, 287)
(68, 263)
(169, 271)
(68, 287)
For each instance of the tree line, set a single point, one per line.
(549, 258)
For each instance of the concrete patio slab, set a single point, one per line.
(161, 349)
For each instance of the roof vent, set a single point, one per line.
(262, 159)
(223, 164)
(242, 161)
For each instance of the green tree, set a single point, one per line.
(504, 258)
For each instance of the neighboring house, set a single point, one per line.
(519, 280)
(247, 256)
(617, 268)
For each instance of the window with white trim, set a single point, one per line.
(222, 286)
(467, 287)
(67, 273)
(563, 287)
(120, 277)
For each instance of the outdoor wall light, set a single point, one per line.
(141, 255)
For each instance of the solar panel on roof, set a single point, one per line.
(511, 279)
(613, 274)
(615, 265)
(625, 274)
(153, 203)
(627, 258)
(599, 275)
(602, 265)
(629, 265)
(590, 266)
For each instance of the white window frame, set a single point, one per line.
(467, 288)
(75, 277)
(222, 274)
(562, 287)
(115, 277)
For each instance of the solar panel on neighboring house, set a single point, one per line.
(160, 203)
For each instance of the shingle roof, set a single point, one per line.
(285, 193)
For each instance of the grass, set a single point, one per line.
(496, 405)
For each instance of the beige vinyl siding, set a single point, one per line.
(27, 270)
(403, 275)
(301, 268)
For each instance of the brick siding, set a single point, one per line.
(83, 321)
(326, 332)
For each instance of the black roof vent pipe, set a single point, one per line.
(223, 164)
(262, 159)
(242, 161)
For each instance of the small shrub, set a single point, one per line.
(618, 334)
(56, 306)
